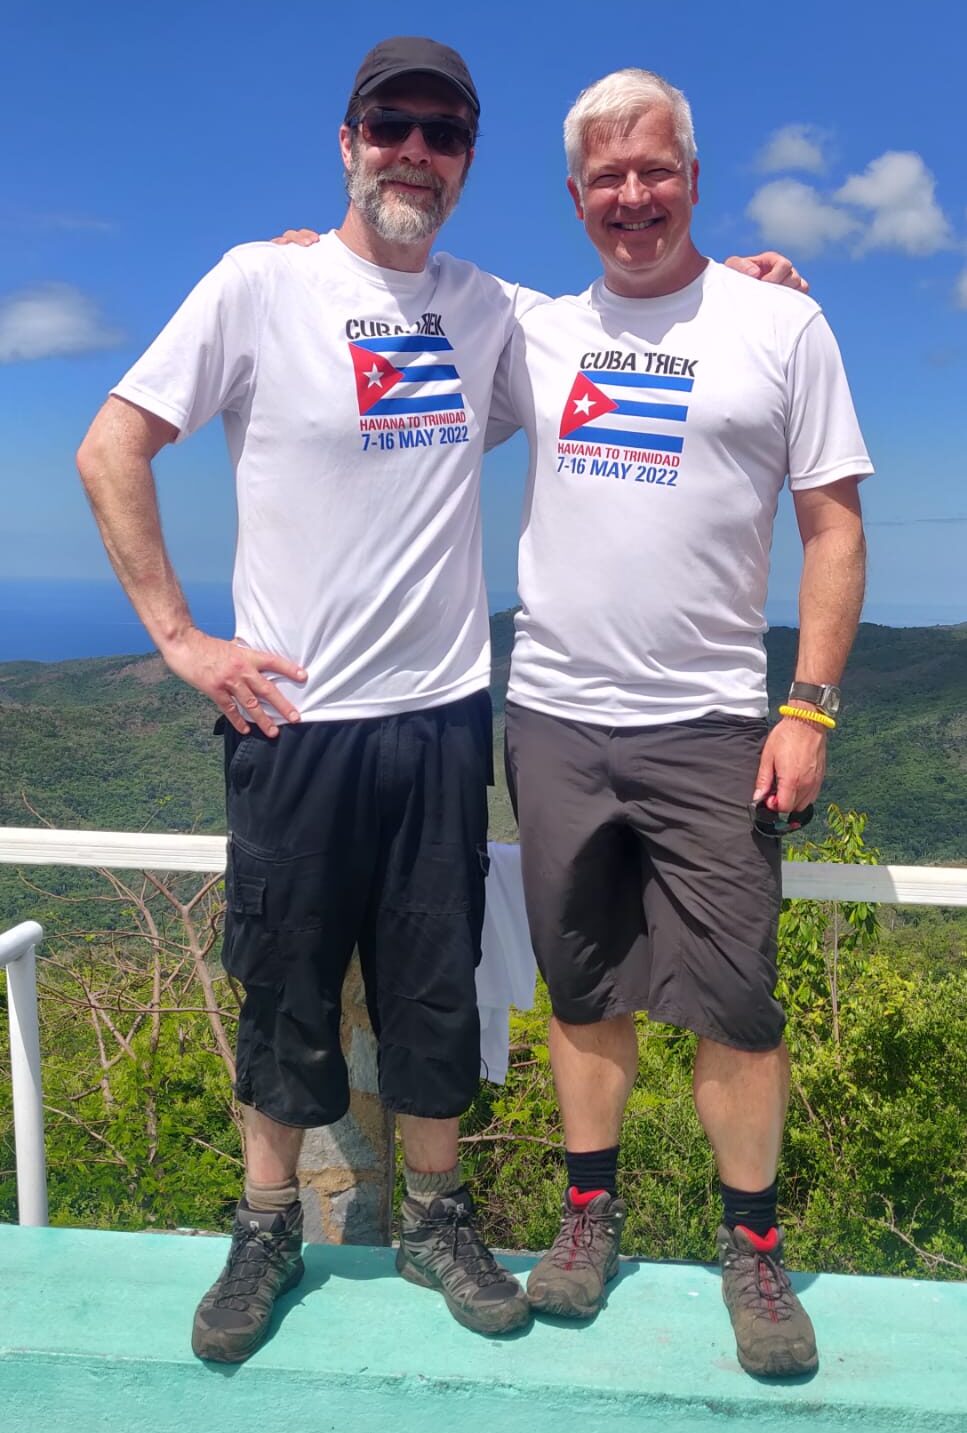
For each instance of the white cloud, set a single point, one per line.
(50, 321)
(32, 222)
(898, 190)
(960, 290)
(79, 224)
(795, 146)
(793, 216)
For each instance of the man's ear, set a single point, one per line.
(346, 144)
(575, 194)
(694, 193)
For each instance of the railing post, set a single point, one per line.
(347, 1169)
(18, 953)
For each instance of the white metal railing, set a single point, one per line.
(18, 949)
(125, 850)
(801, 880)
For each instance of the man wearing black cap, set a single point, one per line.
(354, 382)
(408, 56)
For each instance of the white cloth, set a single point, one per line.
(507, 971)
(661, 431)
(354, 401)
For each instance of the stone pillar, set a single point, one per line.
(347, 1169)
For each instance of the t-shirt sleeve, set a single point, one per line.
(526, 299)
(510, 391)
(508, 404)
(203, 360)
(823, 436)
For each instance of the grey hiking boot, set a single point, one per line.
(441, 1249)
(773, 1332)
(265, 1260)
(570, 1279)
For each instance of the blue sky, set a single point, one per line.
(148, 140)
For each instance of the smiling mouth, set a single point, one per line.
(636, 227)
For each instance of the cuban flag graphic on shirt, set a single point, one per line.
(628, 410)
(405, 373)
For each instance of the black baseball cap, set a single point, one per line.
(415, 55)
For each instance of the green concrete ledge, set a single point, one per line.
(94, 1335)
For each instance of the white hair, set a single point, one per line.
(625, 95)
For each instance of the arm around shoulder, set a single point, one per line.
(771, 268)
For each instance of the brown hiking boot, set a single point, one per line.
(773, 1333)
(441, 1249)
(265, 1260)
(570, 1279)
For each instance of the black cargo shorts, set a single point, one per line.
(368, 833)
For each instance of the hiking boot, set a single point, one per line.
(570, 1279)
(265, 1260)
(773, 1332)
(441, 1249)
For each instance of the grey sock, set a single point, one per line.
(271, 1198)
(429, 1185)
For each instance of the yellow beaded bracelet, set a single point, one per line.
(805, 714)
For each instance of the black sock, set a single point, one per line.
(756, 1212)
(598, 1169)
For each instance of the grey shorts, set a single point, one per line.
(646, 887)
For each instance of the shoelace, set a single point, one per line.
(572, 1247)
(250, 1253)
(766, 1281)
(467, 1248)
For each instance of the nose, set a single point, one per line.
(414, 149)
(632, 191)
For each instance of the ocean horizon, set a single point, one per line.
(44, 620)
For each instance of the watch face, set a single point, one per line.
(831, 700)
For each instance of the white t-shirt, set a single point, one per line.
(661, 431)
(355, 401)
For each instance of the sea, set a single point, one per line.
(59, 621)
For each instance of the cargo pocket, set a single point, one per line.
(250, 950)
(287, 893)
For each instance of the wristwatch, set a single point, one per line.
(827, 697)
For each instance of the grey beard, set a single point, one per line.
(399, 218)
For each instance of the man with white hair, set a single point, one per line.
(665, 407)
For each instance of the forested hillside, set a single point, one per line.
(118, 743)
(115, 743)
(900, 751)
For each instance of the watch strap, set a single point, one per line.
(826, 696)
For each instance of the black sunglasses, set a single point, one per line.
(443, 133)
(770, 823)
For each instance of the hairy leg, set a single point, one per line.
(594, 1069)
(271, 1149)
(741, 1098)
(429, 1146)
